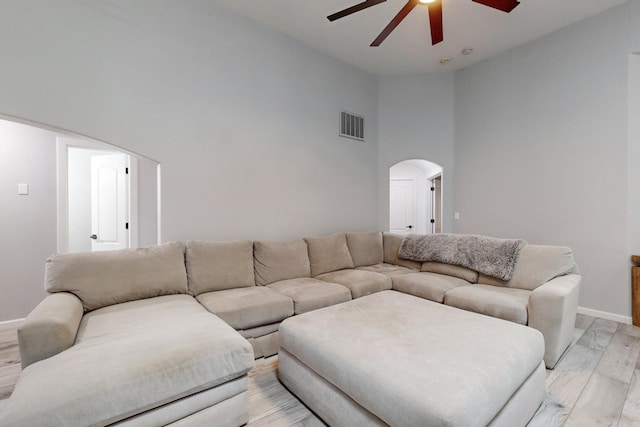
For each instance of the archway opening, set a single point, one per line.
(56, 184)
(415, 197)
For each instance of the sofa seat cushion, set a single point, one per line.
(309, 294)
(245, 308)
(263, 339)
(359, 282)
(505, 303)
(129, 358)
(387, 269)
(431, 286)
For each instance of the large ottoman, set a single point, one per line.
(395, 359)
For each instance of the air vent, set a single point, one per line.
(351, 126)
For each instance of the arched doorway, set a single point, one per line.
(415, 197)
(57, 165)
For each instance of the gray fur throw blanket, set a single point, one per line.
(487, 255)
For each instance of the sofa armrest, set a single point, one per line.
(552, 311)
(50, 328)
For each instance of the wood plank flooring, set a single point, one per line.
(9, 363)
(595, 383)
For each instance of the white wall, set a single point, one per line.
(244, 123)
(147, 202)
(243, 120)
(541, 148)
(27, 223)
(28, 155)
(416, 121)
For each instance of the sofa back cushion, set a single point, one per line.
(536, 265)
(392, 243)
(100, 279)
(275, 261)
(329, 253)
(215, 266)
(365, 248)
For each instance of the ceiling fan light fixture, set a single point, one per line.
(435, 15)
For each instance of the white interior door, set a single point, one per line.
(109, 202)
(402, 201)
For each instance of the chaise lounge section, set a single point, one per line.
(119, 341)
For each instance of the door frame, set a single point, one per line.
(62, 186)
(436, 203)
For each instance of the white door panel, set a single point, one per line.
(402, 196)
(109, 202)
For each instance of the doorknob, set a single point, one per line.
(94, 237)
(409, 227)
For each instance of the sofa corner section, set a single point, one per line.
(552, 310)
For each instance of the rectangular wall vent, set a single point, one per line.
(351, 126)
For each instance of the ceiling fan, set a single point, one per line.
(435, 15)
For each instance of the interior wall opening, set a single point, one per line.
(102, 204)
(415, 197)
(63, 190)
(108, 198)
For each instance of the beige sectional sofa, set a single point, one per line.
(167, 334)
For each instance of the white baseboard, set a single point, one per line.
(11, 324)
(605, 315)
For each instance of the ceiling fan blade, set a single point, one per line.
(354, 9)
(435, 22)
(503, 5)
(395, 22)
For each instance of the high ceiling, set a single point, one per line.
(408, 49)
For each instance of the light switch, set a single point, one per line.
(456, 215)
(23, 189)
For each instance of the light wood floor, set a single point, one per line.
(596, 383)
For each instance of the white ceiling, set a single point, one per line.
(408, 49)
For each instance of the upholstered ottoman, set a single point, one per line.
(395, 359)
